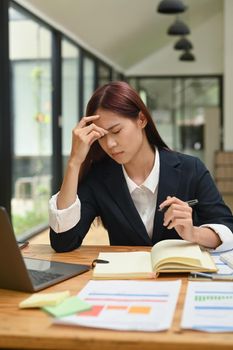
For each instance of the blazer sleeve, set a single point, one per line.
(72, 238)
(211, 208)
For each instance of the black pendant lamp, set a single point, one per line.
(183, 44)
(187, 56)
(178, 28)
(171, 7)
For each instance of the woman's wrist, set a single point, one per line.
(74, 163)
(196, 234)
(206, 237)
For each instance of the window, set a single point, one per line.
(88, 80)
(104, 74)
(30, 58)
(70, 95)
(186, 111)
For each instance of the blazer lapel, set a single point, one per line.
(169, 179)
(116, 184)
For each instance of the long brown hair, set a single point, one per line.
(121, 98)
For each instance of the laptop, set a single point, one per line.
(28, 274)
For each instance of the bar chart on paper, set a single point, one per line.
(127, 305)
(215, 297)
(209, 307)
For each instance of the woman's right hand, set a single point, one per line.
(83, 136)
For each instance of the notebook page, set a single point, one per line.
(176, 251)
(123, 263)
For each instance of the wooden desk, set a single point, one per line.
(34, 329)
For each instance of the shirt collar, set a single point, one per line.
(151, 181)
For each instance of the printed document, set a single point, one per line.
(127, 305)
(223, 268)
(209, 307)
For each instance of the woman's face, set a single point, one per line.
(125, 135)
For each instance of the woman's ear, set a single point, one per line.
(142, 120)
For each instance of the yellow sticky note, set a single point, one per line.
(44, 299)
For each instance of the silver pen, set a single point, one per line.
(213, 276)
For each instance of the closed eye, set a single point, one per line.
(116, 132)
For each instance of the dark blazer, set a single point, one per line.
(104, 193)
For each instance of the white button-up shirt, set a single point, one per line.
(145, 195)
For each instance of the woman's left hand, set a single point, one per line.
(179, 216)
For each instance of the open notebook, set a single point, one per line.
(173, 255)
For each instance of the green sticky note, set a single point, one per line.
(68, 307)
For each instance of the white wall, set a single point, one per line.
(211, 136)
(228, 76)
(208, 49)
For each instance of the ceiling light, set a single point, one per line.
(171, 6)
(187, 56)
(183, 44)
(178, 28)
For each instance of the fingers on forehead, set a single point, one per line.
(85, 120)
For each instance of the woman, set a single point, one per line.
(121, 170)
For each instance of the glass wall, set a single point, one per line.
(195, 98)
(88, 80)
(70, 95)
(31, 104)
(117, 75)
(184, 110)
(104, 74)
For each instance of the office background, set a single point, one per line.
(54, 53)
